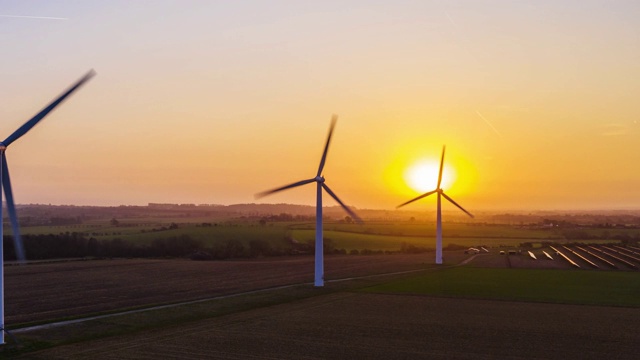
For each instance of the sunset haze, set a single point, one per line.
(211, 102)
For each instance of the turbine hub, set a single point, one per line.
(439, 190)
(319, 179)
(3, 147)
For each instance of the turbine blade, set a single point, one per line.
(334, 118)
(349, 211)
(39, 116)
(11, 208)
(418, 198)
(269, 192)
(456, 204)
(441, 164)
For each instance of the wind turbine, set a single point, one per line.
(5, 186)
(319, 180)
(440, 193)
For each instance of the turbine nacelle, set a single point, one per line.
(440, 193)
(319, 179)
(438, 190)
(3, 147)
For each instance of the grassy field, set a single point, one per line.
(359, 241)
(372, 236)
(554, 286)
(146, 233)
(412, 229)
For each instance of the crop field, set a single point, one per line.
(389, 236)
(146, 233)
(448, 229)
(50, 291)
(359, 241)
(613, 288)
(501, 305)
(380, 323)
(372, 235)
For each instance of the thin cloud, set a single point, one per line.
(488, 123)
(614, 130)
(450, 19)
(33, 17)
(461, 36)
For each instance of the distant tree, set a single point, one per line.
(348, 219)
(328, 246)
(233, 249)
(259, 248)
(92, 247)
(114, 222)
(200, 255)
(412, 249)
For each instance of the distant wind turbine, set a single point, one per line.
(5, 186)
(439, 191)
(319, 180)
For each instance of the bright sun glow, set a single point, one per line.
(423, 176)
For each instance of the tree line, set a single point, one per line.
(77, 245)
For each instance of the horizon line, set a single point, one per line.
(203, 205)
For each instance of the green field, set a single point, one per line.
(614, 288)
(371, 235)
(411, 229)
(145, 233)
(350, 240)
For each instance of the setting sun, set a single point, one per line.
(422, 176)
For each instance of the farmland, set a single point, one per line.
(382, 326)
(253, 230)
(422, 310)
(539, 285)
(77, 288)
(280, 236)
(435, 314)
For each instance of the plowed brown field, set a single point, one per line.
(381, 326)
(56, 290)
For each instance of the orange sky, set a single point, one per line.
(210, 102)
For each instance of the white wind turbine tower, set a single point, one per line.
(440, 193)
(5, 186)
(319, 180)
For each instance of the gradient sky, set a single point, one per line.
(214, 101)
